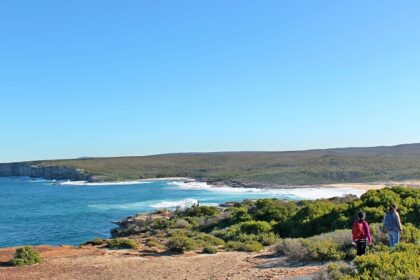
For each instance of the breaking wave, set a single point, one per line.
(84, 183)
(173, 204)
(293, 193)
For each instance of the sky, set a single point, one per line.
(115, 78)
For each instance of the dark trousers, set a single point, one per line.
(361, 247)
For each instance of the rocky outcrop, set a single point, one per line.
(43, 170)
(139, 223)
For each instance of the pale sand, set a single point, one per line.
(374, 185)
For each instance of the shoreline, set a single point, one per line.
(216, 183)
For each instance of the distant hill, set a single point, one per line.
(240, 168)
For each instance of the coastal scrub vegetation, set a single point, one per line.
(122, 243)
(317, 230)
(266, 220)
(402, 262)
(26, 256)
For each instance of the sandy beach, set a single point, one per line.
(374, 185)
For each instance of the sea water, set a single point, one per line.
(36, 211)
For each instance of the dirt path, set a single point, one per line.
(74, 263)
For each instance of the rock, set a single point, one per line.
(43, 170)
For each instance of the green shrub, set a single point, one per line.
(197, 211)
(253, 246)
(292, 248)
(407, 247)
(400, 264)
(153, 242)
(275, 210)
(122, 243)
(264, 238)
(180, 232)
(324, 250)
(194, 221)
(160, 223)
(233, 246)
(210, 250)
(95, 242)
(181, 223)
(229, 233)
(181, 243)
(209, 239)
(411, 234)
(255, 227)
(246, 237)
(311, 249)
(267, 239)
(237, 215)
(26, 256)
(335, 271)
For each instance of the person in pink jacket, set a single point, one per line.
(361, 233)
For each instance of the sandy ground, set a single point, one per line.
(374, 185)
(73, 263)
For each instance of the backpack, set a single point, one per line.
(389, 222)
(358, 230)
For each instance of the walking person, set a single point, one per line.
(361, 233)
(392, 225)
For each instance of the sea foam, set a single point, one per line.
(188, 202)
(296, 193)
(184, 203)
(85, 183)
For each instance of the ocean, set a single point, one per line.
(37, 211)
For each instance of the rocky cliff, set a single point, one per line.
(43, 170)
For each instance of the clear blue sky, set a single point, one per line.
(108, 78)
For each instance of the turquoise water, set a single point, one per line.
(45, 212)
(41, 212)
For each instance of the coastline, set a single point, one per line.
(219, 183)
(375, 185)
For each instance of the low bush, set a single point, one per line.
(411, 234)
(181, 243)
(209, 239)
(250, 246)
(26, 256)
(335, 271)
(246, 237)
(255, 227)
(253, 246)
(264, 238)
(399, 264)
(161, 223)
(122, 243)
(267, 239)
(181, 223)
(233, 246)
(153, 242)
(194, 221)
(227, 233)
(95, 242)
(197, 211)
(310, 249)
(210, 250)
(402, 263)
